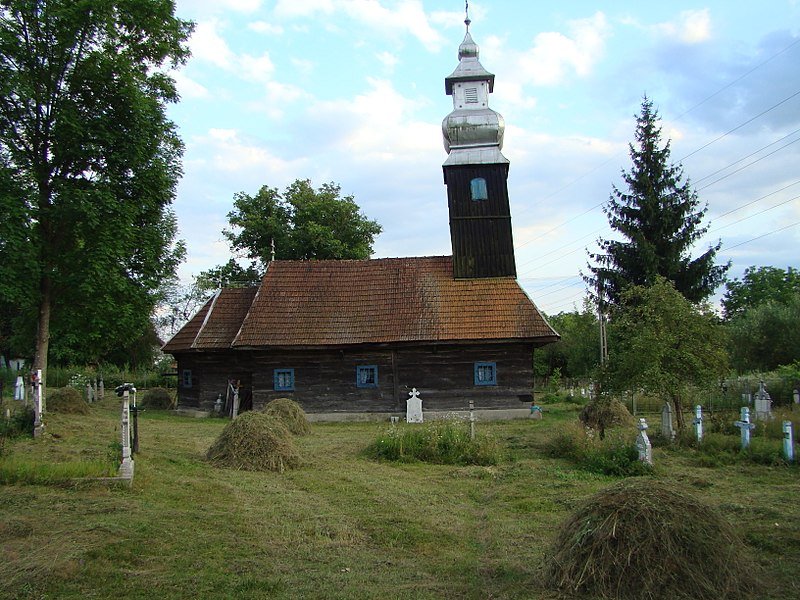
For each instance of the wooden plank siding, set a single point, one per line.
(325, 380)
(480, 231)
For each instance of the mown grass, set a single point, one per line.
(341, 525)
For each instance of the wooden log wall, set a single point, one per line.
(325, 380)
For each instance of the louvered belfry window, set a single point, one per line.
(471, 95)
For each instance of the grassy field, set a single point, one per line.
(342, 526)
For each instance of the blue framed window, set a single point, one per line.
(367, 376)
(187, 378)
(485, 373)
(477, 188)
(283, 380)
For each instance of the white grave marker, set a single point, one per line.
(788, 441)
(414, 407)
(698, 422)
(745, 426)
(643, 443)
(763, 403)
(38, 405)
(126, 468)
(667, 430)
(19, 389)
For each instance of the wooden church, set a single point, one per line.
(358, 335)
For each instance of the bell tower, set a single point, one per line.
(476, 172)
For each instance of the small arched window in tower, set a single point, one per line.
(478, 189)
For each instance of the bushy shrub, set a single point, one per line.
(647, 539)
(292, 415)
(616, 455)
(441, 442)
(66, 400)
(19, 423)
(158, 398)
(255, 441)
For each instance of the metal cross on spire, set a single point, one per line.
(466, 11)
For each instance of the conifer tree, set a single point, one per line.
(660, 217)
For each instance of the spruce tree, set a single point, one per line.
(660, 217)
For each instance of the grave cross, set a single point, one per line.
(126, 468)
(745, 426)
(763, 402)
(667, 431)
(788, 442)
(19, 389)
(38, 404)
(698, 422)
(643, 443)
(414, 407)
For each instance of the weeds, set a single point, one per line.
(441, 442)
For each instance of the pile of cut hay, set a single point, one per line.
(66, 400)
(643, 539)
(605, 414)
(255, 441)
(290, 413)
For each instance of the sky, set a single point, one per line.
(352, 92)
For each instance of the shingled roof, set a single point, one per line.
(344, 302)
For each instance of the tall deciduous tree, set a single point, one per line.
(663, 344)
(85, 139)
(660, 217)
(302, 223)
(760, 285)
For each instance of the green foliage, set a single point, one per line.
(758, 286)
(66, 400)
(290, 413)
(766, 336)
(648, 539)
(89, 166)
(301, 224)
(577, 353)
(660, 218)
(442, 442)
(614, 455)
(19, 423)
(255, 441)
(158, 398)
(662, 344)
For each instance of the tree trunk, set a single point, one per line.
(43, 327)
(676, 401)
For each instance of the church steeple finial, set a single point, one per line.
(466, 11)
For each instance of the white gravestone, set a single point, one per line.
(797, 396)
(19, 389)
(788, 441)
(126, 468)
(745, 426)
(667, 430)
(38, 405)
(698, 422)
(414, 407)
(763, 403)
(643, 443)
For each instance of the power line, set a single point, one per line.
(764, 235)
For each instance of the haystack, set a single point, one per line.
(643, 539)
(606, 413)
(66, 400)
(290, 413)
(255, 441)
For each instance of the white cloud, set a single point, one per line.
(302, 8)
(187, 87)
(388, 59)
(226, 151)
(266, 28)
(256, 68)
(303, 65)
(555, 55)
(207, 44)
(690, 27)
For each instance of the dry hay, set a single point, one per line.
(290, 413)
(255, 441)
(158, 398)
(606, 413)
(66, 400)
(643, 539)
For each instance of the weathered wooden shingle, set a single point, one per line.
(344, 302)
